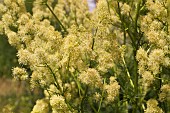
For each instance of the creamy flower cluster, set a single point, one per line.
(63, 65)
(152, 107)
(112, 89)
(42, 106)
(153, 58)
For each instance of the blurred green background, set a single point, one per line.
(8, 57)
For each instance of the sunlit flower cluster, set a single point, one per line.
(20, 73)
(152, 107)
(155, 58)
(77, 58)
(112, 89)
(57, 59)
(165, 93)
(41, 106)
(158, 39)
(58, 104)
(91, 77)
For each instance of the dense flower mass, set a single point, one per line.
(112, 89)
(152, 107)
(91, 77)
(41, 106)
(58, 104)
(113, 59)
(20, 73)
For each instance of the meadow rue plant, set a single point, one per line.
(114, 59)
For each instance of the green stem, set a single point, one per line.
(168, 16)
(101, 98)
(135, 110)
(75, 18)
(91, 105)
(137, 15)
(93, 40)
(124, 33)
(127, 71)
(55, 79)
(108, 6)
(123, 25)
(61, 25)
(136, 86)
(92, 47)
(78, 85)
(83, 100)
